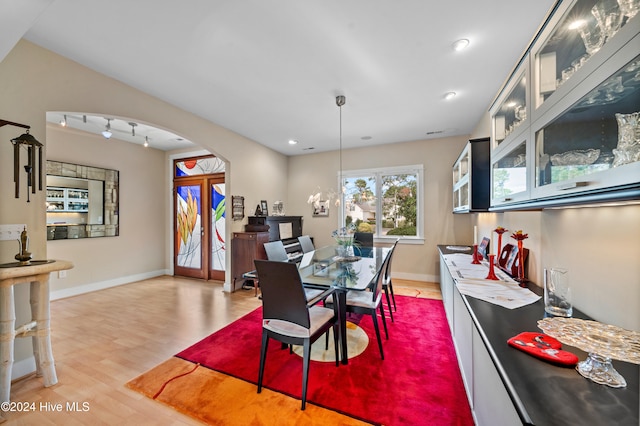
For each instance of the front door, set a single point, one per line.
(199, 218)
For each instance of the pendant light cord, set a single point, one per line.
(340, 100)
(340, 150)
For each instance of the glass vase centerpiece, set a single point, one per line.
(519, 236)
(344, 240)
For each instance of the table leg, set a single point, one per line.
(42, 340)
(7, 331)
(342, 318)
(33, 301)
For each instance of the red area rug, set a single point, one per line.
(418, 382)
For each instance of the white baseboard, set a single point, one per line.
(416, 277)
(23, 368)
(87, 288)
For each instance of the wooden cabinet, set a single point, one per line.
(245, 248)
(471, 178)
(565, 126)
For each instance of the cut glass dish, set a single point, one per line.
(601, 341)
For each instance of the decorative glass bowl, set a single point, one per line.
(601, 341)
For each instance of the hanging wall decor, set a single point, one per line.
(33, 173)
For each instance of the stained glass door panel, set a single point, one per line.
(188, 221)
(218, 245)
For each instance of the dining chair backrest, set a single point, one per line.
(378, 280)
(306, 245)
(283, 296)
(364, 239)
(387, 271)
(275, 251)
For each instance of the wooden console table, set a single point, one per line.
(38, 275)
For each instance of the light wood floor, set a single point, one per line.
(101, 340)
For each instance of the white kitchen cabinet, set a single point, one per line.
(575, 137)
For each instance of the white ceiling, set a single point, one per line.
(270, 70)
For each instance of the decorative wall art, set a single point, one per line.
(321, 208)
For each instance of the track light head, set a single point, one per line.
(107, 130)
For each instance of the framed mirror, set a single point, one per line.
(82, 201)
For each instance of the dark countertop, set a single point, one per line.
(543, 393)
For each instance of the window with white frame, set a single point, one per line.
(386, 202)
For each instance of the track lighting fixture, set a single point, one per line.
(146, 141)
(107, 131)
(133, 128)
(63, 122)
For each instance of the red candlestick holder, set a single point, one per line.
(521, 279)
(492, 273)
(500, 230)
(520, 236)
(475, 255)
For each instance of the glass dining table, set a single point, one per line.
(323, 268)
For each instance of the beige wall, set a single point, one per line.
(34, 81)
(598, 245)
(139, 249)
(308, 172)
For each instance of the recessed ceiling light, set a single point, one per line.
(576, 24)
(292, 142)
(449, 95)
(461, 44)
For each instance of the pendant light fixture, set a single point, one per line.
(133, 128)
(146, 141)
(107, 131)
(318, 198)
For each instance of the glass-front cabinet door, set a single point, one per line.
(510, 111)
(509, 180)
(595, 142)
(577, 140)
(580, 35)
(461, 181)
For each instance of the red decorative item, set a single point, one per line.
(544, 347)
(519, 236)
(500, 230)
(475, 255)
(492, 274)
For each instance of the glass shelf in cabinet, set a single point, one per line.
(512, 112)
(583, 28)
